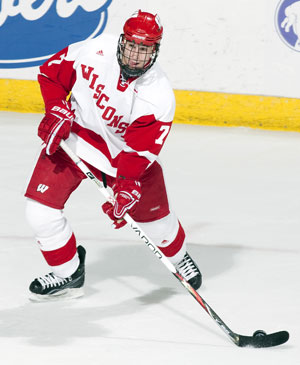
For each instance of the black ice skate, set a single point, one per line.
(51, 287)
(190, 271)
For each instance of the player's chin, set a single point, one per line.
(135, 66)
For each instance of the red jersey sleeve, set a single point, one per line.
(144, 138)
(57, 77)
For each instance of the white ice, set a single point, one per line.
(237, 193)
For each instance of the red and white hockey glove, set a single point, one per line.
(127, 193)
(56, 125)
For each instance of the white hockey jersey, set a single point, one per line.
(120, 126)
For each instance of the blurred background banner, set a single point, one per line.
(231, 63)
(31, 31)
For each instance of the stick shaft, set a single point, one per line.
(135, 227)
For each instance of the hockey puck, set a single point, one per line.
(259, 333)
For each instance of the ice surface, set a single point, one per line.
(237, 193)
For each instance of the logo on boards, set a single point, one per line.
(32, 31)
(287, 22)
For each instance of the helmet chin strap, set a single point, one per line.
(125, 76)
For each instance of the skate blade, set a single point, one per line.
(65, 294)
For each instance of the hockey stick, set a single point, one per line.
(258, 339)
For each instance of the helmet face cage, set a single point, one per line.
(138, 46)
(144, 55)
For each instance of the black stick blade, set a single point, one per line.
(273, 339)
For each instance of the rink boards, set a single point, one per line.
(193, 107)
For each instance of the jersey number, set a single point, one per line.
(61, 58)
(165, 130)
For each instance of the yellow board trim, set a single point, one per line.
(193, 107)
(221, 109)
(20, 96)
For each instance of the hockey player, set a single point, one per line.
(117, 120)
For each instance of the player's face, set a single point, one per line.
(136, 55)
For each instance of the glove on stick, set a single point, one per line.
(127, 193)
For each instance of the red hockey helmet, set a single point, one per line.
(144, 30)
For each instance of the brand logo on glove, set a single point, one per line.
(39, 30)
(65, 112)
(287, 22)
(136, 193)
